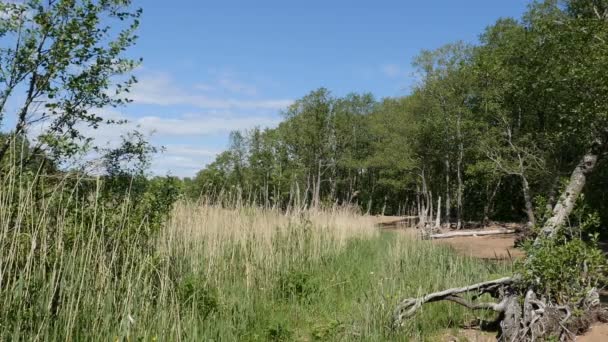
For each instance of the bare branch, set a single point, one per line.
(408, 307)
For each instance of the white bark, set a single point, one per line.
(409, 306)
(472, 233)
(438, 220)
(528, 200)
(460, 190)
(567, 200)
(447, 189)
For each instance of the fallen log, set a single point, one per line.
(472, 233)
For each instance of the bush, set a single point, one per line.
(563, 270)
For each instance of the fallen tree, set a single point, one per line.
(526, 311)
(472, 233)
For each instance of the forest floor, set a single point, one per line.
(493, 247)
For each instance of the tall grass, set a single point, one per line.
(211, 273)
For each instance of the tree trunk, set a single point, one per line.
(525, 186)
(472, 233)
(447, 189)
(566, 202)
(317, 188)
(438, 220)
(431, 209)
(488, 207)
(460, 190)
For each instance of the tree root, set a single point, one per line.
(409, 306)
(523, 317)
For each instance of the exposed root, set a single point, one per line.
(409, 306)
(521, 319)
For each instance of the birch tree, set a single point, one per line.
(61, 62)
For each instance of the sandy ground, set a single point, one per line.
(470, 335)
(598, 333)
(484, 247)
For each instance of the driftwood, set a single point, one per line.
(531, 321)
(409, 306)
(523, 315)
(472, 233)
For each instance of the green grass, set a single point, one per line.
(350, 295)
(256, 276)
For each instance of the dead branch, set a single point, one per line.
(409, 306)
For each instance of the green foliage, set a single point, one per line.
(69, 56)
(327, 331)
(278, 332)
(489, 128)
(584, 219)
(563, 270)
(128, 196)
(297, 284)
(195, 295)
(566, 268)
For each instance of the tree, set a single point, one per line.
(447, 83)
(68, 58)
(310, 138)
(562, 72)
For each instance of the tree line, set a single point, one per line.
(490, 132)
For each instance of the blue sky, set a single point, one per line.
(215, 66)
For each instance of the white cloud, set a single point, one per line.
(203, 125)
(191, 151)
(237, 86)
(225, 104)
(182, 160)
(178, 159)
(187, 125)
(160, 89)
(393, 71)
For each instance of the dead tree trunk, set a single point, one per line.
(438, 220)
(528, 200)
(472, 233)
(566, 202)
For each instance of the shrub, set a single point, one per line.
(563, 270)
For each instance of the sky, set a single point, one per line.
(210, 67)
